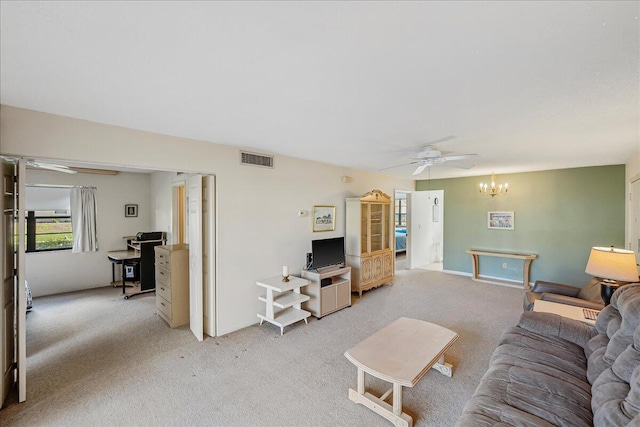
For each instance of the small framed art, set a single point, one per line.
(324, 218)
(130, 210)
(501, 220)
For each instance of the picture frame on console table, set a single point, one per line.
(324, 218)
(501, 220)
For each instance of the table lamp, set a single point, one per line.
(612, 265)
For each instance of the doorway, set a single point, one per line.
(634, 218)
(400, 227)
(425, 230)
(179, 207)
(166, 202)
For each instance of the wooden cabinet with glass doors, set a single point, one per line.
(368, 244)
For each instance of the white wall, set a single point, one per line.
(162, 201)
(258, 229)
(62, 271)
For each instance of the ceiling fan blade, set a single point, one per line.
(419, 169)
(461, 165)
(397, 166)
(458, 157)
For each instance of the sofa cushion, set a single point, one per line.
(545, 325)
(591, 291)
(616, 325)
(616, 392)
(533, 379)
(614, 364)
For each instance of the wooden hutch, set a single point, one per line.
(368, 245)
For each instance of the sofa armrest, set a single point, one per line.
(578, 302)
(555, 288)
(557, 326)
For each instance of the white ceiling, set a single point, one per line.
(525, 85)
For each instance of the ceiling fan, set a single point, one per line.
(429, 155)
(49, 166)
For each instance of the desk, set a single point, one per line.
(527, 258)
(125, 258)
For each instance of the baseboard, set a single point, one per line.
(491, 280)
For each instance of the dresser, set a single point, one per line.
(368, 244)
(172, 283)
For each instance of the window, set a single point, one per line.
(401, 213)
(48, 230)
(48, 218)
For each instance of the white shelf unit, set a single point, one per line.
(330, 298)
(287, 297)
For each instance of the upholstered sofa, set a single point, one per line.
(551, 370)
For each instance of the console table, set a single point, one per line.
(288, 299)
(527, 258)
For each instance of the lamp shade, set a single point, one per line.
(612, 263)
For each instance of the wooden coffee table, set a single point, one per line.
(400, 353)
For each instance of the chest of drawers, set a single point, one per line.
(172, 283)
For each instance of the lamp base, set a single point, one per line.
(606, 291)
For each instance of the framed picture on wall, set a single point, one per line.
(501, 220)
(324, 218)
(130, 210)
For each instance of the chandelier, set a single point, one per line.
(493, 190)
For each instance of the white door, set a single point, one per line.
(425, 230)
(209, 254)
(195, 257)
(8, 294)
(21, 315)
(417, 231)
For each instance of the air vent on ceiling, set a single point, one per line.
(254, 159)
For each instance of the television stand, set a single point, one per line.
(327, 299)
(328, 269)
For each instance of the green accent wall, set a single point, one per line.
(559, 215)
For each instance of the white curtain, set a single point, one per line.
(83, 219)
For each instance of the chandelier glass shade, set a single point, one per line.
(493, 189)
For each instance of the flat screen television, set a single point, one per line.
(327, 252)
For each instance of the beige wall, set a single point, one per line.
(258, 229)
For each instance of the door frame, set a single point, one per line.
(633, 239)
(393, 231)
(418, 236)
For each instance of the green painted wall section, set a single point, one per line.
(559, 215)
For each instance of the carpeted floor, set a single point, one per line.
(96, 359)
